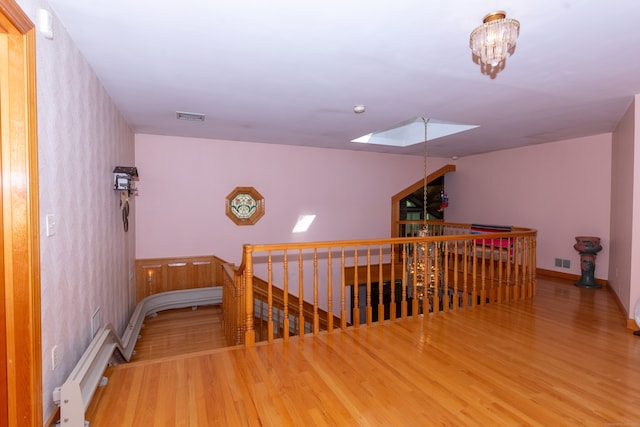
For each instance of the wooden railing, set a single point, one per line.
(160, 275)
(233, 313)
(261, 298)
(461, 271)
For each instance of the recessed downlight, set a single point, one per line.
(194, 117)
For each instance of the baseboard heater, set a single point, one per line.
(74, 395)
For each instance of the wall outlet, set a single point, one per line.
(566, 263)
(558, 262)
(55, 358)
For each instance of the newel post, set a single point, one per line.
(250, 333)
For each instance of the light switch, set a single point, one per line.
(46, 23)
(52, 226)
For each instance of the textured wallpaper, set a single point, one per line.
(89, 263)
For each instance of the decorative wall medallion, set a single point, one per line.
(245, 206)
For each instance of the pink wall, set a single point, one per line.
(622, 201)
(635, 230)
(562, 189)
(180, 210)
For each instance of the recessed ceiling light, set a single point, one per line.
(411, 132)
(195, 117)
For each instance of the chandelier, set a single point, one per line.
(421, 251)
(494, 39)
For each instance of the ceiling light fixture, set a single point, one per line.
(494, 39)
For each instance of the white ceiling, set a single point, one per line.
(290, 72)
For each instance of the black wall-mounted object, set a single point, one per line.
(123, 177)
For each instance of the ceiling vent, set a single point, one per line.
(194, 117)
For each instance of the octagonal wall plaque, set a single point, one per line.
(244, 206)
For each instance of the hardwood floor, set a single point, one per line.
(564, 358)
(180, 331)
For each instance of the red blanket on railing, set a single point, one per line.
(500, 242)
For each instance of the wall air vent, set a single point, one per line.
(195, 117)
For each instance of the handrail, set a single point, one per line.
(460, 263)
(74, 395)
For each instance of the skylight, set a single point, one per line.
(411, 132)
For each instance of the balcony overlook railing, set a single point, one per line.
(281, 290)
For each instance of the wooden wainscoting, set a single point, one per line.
(156, 275)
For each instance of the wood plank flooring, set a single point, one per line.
(180, 331)
(564, 358)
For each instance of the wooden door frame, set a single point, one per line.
(395, 199)
(20, 236)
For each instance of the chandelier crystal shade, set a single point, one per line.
(495, 38)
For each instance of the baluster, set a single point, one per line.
(403, 303)
(427, 266)
(501, 285)
(532, 251)
(445, 261)
(525, 265)
(445, 286)
(356, 306)
(437, 283)
(380, 287)
(510, 266)
(343, 309)
(368, 308)
(492, 269)
(329, 292)
(300, 295)
(474, 277)
(465, 275)
(285, 288)
(269, 297)
(414, 305)
(392, 303)
(516, 276)
(250, 333)
(483, 284)
(316, 318)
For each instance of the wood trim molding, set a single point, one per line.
(22, 386)
(567, 276)
(395, 200)
(20, 22)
